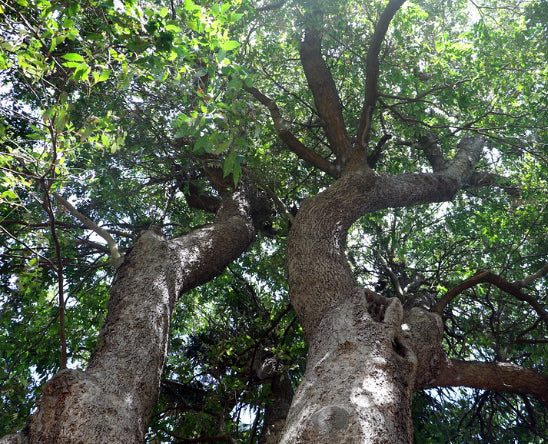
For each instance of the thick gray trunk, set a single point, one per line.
(358, 382)
(112, 400)
(366, 355)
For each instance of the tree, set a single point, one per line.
(398, 147)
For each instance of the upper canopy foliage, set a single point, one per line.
(142, 113)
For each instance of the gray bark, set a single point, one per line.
(112, 400)
(366, 355)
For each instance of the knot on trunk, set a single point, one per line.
(423, 332)
(330, 419)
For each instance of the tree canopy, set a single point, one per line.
(117, 116)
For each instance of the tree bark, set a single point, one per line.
(496, 376)
(112, 400)
(366, 356)
(356, 386)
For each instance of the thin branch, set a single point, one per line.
(492, 278)
(420, 97)
(48, 207)
(270, 6)
(28, 247)
(372, 72)
(391, 274)
(115, 256)
(294, 144)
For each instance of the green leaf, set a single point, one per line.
(237, 171)
(60, 121)
(137, 45)
(73, 57)
(229, 45)
(73, 64)
(163, 12)
(56, 41)
(101, 77)
(228, 165)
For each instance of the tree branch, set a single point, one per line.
(48, 208)
(429, 145)
(372, 72)
(324, 90)
(270, 6)
(483, 179)
(199, 200)
(115, 256)
(322, 223)
(492, 278)
(294, 144)
(527, 280)
(375, 155)
(496, 376)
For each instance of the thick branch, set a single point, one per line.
(429, 145)
(319, 274)
(287, 136)
(195, 198)
(372, 71)
(324, 90)
(117, 392)
(270, 6)
(483, 179)
(495, 376)
(492, 278)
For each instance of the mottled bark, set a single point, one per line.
(319, 274)
(366, 356)
(356, 386)
(112, 400)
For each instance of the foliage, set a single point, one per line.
(122, 107)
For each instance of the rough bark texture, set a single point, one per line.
(319, 274)
(112, 401)
(356, 386)
(366, 356)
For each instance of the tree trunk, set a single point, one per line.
(358, 381)
(112, 400)
(366, 356)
